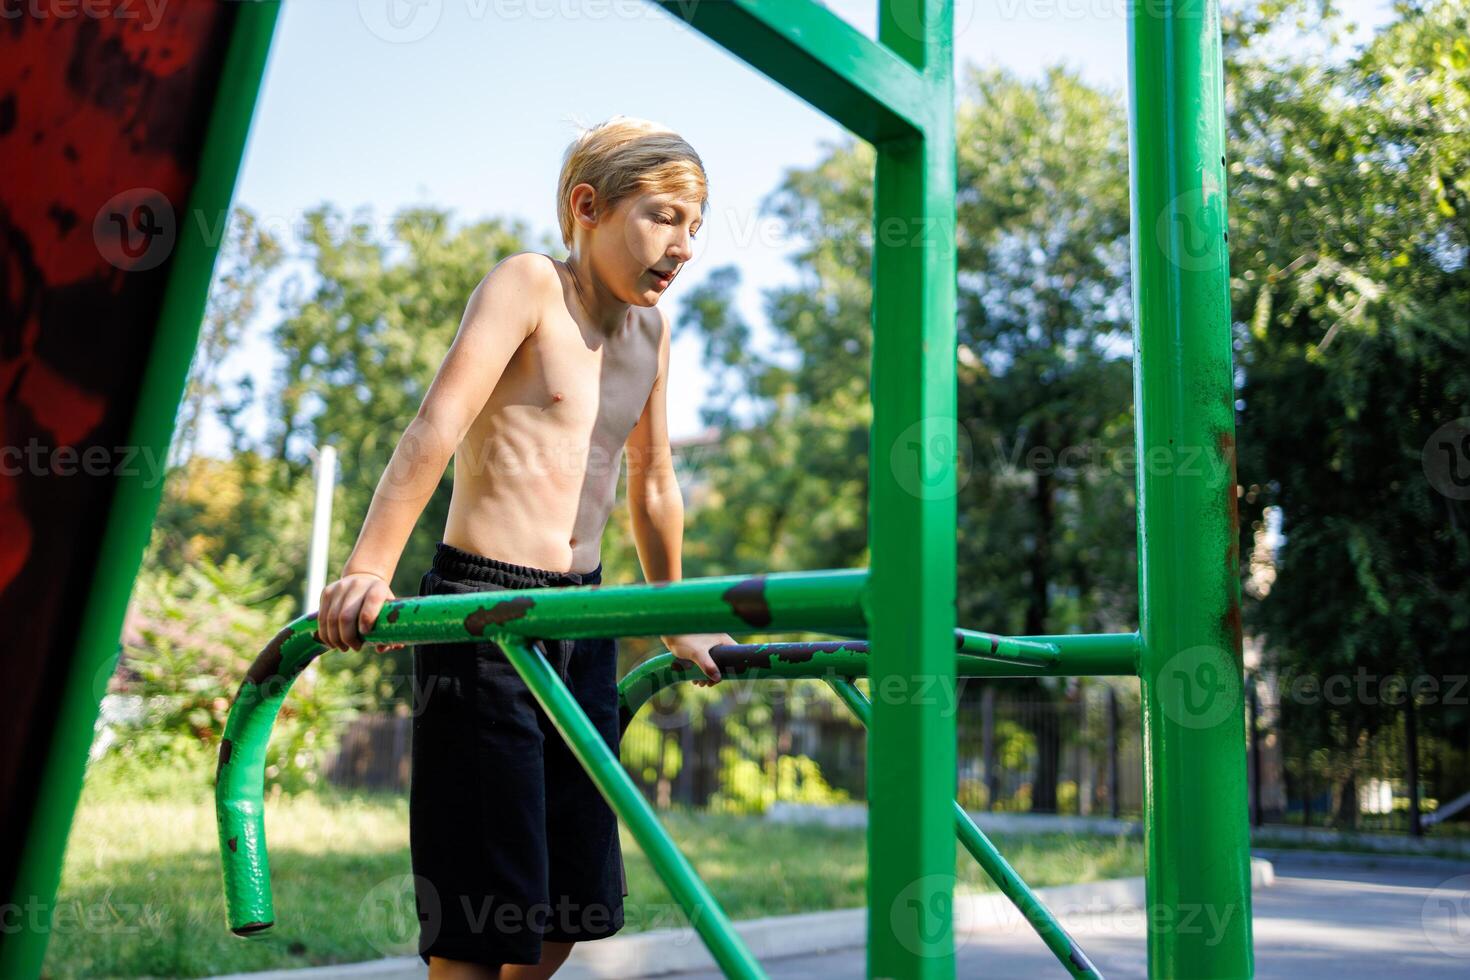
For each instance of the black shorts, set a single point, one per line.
(511, 843)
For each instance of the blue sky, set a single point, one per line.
(469, 104)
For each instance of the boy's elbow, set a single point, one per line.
(656, 497)
(434, 434)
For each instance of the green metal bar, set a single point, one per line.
(788, 601)
(1011, 885)
(1079, 655)
(607, 772)
(912, 518)
(1007, 648)
(822, 59)
(822, 601)
(135, 499)
(1196, 827)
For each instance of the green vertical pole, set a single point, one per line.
(911, 526)
(135, 500)
(1189, 612)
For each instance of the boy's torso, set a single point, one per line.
(536, 474)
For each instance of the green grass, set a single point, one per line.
(141, 891)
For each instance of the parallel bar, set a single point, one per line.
(992, 646)
(1089, 655)
(788, 601)
(820, 58)
(607, 772)
(822, 601)
(135, 500)
(1196, 824)
(1011, 885)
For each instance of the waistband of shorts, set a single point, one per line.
(460, 565)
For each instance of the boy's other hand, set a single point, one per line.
(349, 607)
(694, 647)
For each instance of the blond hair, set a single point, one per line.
(624, 156)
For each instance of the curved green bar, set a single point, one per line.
(1066, 950)
(239, 782)
(790, 601)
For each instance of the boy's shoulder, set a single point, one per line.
(547, 277)
(533, 267)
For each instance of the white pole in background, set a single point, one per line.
(321, 527)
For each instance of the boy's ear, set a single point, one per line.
(584, 202)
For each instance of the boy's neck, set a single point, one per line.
(605, 312)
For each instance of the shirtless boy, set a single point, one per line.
(558, 370)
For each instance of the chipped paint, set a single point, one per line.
(268, 663)
(747, 600)
(504, 611)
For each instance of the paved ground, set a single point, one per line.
(1342, 923)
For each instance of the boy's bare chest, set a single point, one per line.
(596, 387)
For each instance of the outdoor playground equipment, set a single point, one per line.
(897, 617)
(895, 621)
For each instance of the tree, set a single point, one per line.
(1349, 207)
(1044, 545)
(362, 345)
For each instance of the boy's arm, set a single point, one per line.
(501, 313)
(656, 506)
(655, 501)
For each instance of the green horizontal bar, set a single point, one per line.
(613, 781)
(819, 601)
(1011, 885)
(821, 58)
(1078, 655)
(1007, 648)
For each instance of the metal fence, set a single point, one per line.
(1077, 753)
(1345, 764)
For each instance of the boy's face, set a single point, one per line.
(641, 244)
